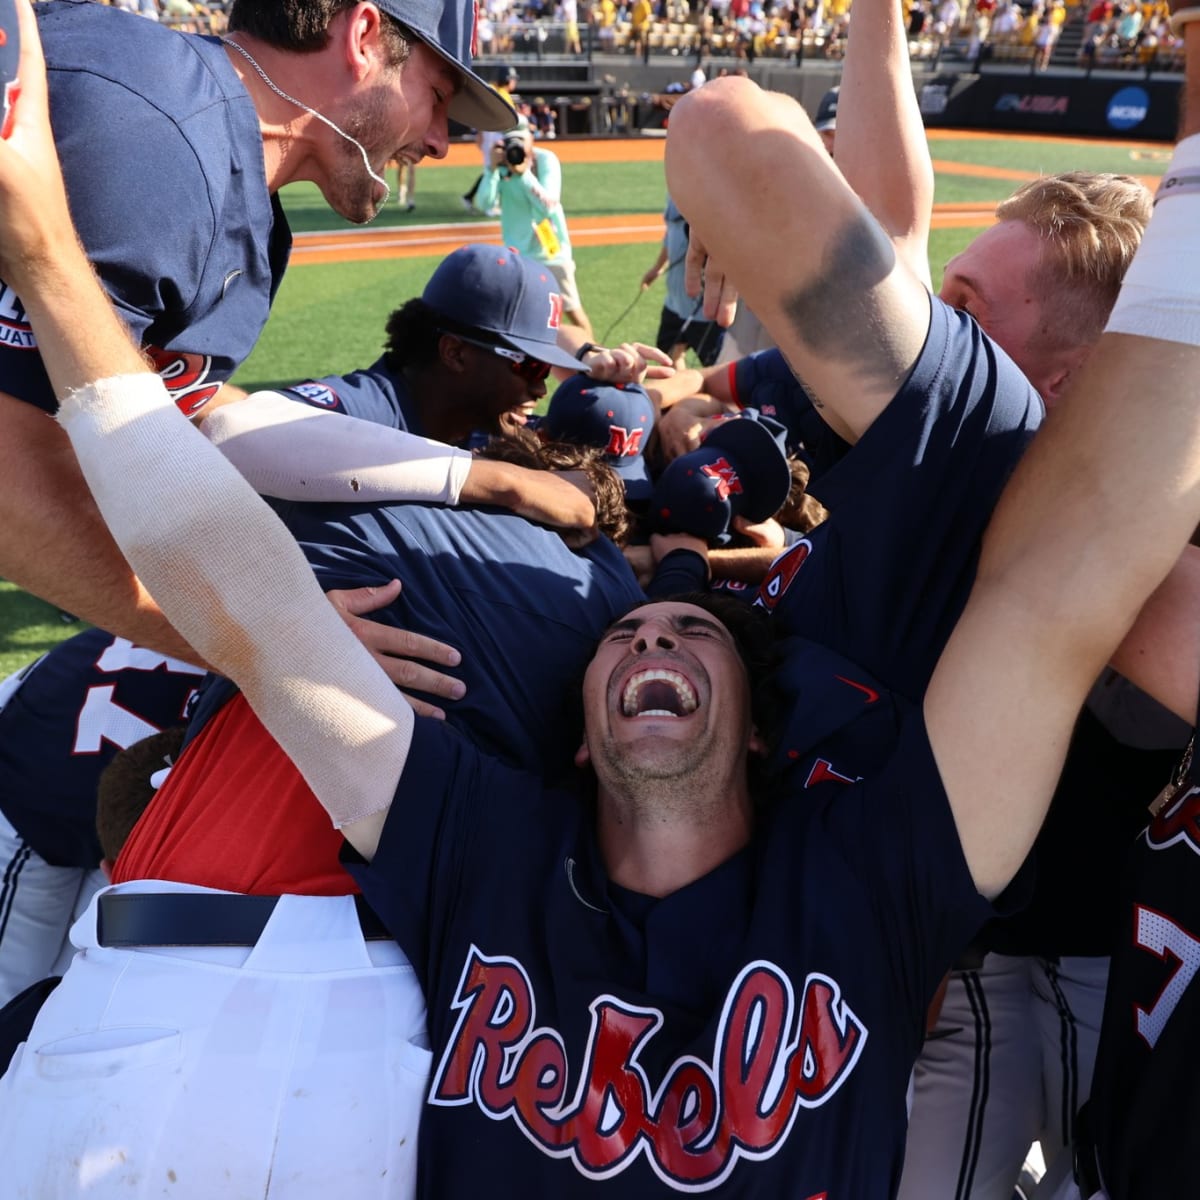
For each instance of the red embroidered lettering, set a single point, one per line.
(726, 478)
(772, 1058)
(624, 443)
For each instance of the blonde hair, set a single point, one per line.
(1091, 224)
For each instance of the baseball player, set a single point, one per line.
(211, 128)
(235, 815)
(62, 720)
(480, 342)
(590, 1027)
(468, 357)
(1143, 1091)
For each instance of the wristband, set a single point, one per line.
(588, 347)
(1178, 183)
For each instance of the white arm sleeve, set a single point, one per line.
(230, 578)
(288, 450)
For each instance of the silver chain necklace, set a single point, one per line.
(312, 112)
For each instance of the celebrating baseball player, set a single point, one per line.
(672, 988)
(209, 128)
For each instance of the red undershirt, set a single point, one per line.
(235, 814)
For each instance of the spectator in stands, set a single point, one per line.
(570, 16)
(604, 20)
(1129, 26)
(1098, 18)
(1047, 33)
(1006, 22)
(640, 15)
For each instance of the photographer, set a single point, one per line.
(527, 184)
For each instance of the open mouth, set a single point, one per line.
(657, 693)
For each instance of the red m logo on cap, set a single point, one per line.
(623, 443)
(556, 311)
(726, 478)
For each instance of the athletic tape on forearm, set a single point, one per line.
(231, 579)
(288, 450)
(1160, 297)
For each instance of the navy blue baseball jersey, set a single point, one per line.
(908, 507)
(764, 381)
(505, 592)
(1145, 1105)
(68, 714)
(374, 393)
(162, 153)
(751, 1034)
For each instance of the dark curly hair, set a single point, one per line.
(523, 447)
(302, 26)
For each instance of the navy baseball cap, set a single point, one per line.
(826, 117)
(495, 290)
(615, 418)
(447, 27)
(739, 470)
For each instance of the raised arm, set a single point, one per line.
(819, 271)
(226, 571)
(881, 147)
(1068, 561)
(288, 450)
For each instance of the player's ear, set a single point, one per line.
(452, 353)
(583, 755)
(360, 32)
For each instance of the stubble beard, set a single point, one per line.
(667, 784)
(351, 189)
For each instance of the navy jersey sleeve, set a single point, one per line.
(162, 156)
(897, 834)
(371, 394)
(884, 579)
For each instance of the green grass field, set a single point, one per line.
(329, 319)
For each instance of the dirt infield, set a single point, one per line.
(413, 241)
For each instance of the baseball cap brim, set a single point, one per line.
(476, 103)
(448, 23)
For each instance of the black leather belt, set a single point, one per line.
(197, 919)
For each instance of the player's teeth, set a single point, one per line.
(683, 690)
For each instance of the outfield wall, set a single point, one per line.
(1107, 103)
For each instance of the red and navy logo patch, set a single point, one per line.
(623, 443)
(724, 477)
(1177, 824)
(783, 571)
(186, 377)
(319, 394)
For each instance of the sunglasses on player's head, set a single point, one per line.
(531, 369)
